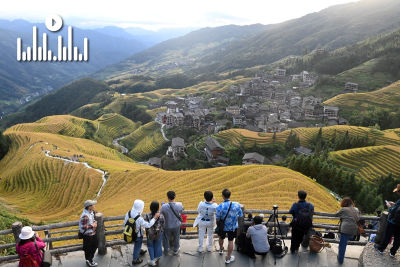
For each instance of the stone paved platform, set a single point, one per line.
(189, 257)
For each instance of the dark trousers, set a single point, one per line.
(89, 246)
(297, 238)
(391, 230)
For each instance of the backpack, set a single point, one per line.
(154, 232)
(27, 260)
(304, 219)
(396, 217)
(130, 233)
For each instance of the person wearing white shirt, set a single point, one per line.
(206, 220)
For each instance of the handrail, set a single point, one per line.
(112, 229)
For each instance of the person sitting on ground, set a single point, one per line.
(206, 220)
(392, 227)
(302, 212)
(154, 234)
(172, 214)
(349, 217)
(284, 226)
(230, 224)
(29, 247)
(259, 237)
(87, 227)
(137, 209)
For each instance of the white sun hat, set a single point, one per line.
(26, 233)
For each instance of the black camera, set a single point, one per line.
(275, 207)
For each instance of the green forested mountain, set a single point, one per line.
(218, 50)
(63, 101)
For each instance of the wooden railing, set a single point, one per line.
(104, 229)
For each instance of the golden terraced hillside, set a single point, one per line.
(52, 189)
(248, 138)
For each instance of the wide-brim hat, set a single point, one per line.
(89, 203)
(26, 233)
(397, 189)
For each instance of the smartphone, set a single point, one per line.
(387, 203)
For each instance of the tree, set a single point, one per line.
(292, 141)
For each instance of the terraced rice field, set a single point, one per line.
(116, 125)
(47, 189)
(144, 141)
(388, 97)
(370, 162)
(248, 138)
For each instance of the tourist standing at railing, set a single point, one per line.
(137, 209)
(206, 220)
(348, 228)
(154, 234)
(392, 227)
(87, 227)
(172, 214)
(230, 211)
(29, 247)
(302, 212)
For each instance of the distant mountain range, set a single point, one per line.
(223, 49)
(23, 81)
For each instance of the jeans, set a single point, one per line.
(171, 233)
(391, 230)
(155, 250)
(344, 238)
(137, 248)
(203, 227)
(89, 246)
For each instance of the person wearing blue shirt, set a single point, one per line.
(231, 223)
(391, 229)
(300, 234)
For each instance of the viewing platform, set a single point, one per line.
(115, 252)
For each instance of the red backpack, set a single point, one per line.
(27, 260)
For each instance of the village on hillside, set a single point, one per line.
(270, 102)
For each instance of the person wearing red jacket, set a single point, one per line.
(30, 244)
(184, 220)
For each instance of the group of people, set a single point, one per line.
(163, 228)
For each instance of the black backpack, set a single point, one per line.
(304, 218)
(396, 216)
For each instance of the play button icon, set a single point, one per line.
(54, 23)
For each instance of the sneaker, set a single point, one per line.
(177, 252)
(152, 263)
(200, 250)
(209, 249)
(232, 259)
(221, 251)
(137, 261)
(157, 259)
(378, 250)
(392, 255)
(91, 263)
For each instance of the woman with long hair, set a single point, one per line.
(154, 234)
(349, 217)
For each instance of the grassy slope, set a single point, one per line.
(34, 183)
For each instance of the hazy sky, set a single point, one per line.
(155, 14)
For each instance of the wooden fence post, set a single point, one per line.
(240, 224)
(48, 235)
(380, 235)
(100, 232)
(16, 229)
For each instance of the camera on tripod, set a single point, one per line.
(275, 207)
(277, 244)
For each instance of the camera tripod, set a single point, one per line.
(276, 243)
